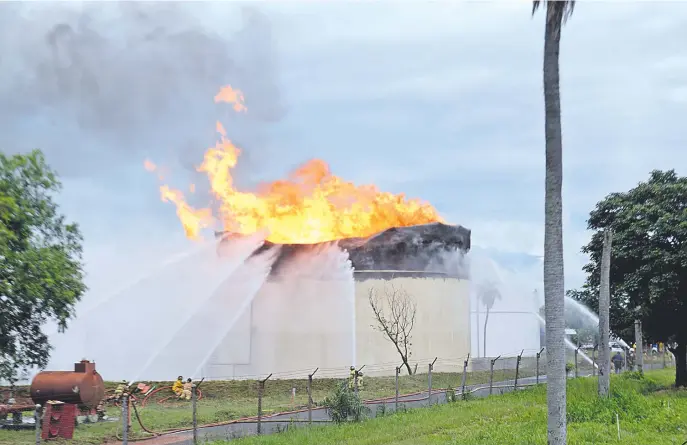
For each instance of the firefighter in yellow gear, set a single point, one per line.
(178, 386)
(186, 391)
(351, 379)
(360, 381)
(119, 391)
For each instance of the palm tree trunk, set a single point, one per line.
(477, 326)
(554, 287)
(604, 321)
(484, 338)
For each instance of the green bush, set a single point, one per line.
(345, 405)
(626, 399)
(633, 375)
(626, 403)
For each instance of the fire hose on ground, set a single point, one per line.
(199, 395)
(147, 397)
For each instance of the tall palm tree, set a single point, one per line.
(488, 294)
(557, 12)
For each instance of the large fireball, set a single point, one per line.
(311, 206)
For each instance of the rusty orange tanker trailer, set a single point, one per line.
(83, 386)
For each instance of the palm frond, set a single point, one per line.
(567, 6)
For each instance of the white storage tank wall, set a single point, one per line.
(441, 327)
(299, 325)
(295, 327)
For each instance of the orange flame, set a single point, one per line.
(311, 206)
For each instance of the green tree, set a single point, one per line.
(649, 268)
(41, 273)
(554, 287)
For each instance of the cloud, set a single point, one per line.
(110, 85)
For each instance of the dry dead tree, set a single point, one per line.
(395, 317)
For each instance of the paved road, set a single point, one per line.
(280, 422)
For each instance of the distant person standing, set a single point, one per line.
(617, 361)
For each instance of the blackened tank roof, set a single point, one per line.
(429, 248)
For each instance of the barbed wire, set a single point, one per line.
(419, 366)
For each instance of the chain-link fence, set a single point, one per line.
(227, 409)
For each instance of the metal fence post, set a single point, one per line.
(125, 419)
(398, 370)
(664, 356)
(465, 374)
(594, 361)
(194, 400)
(310, 396)
(37, 417)
(429, 382)
(538, 357)
(261, 390)
(576, 352)
(491, 374)
(517, 370)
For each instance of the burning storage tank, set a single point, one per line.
(314, 311)
(83, 386)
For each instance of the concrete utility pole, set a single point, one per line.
(604, 317)
(639, 353)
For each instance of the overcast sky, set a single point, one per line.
(439, 100)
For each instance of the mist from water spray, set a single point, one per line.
(510, 325)
(133, 325)
(590, 317)
(569, 343)
(257, 272)
(328, 263)
(157, 272)
(202, 331)
(159, 269)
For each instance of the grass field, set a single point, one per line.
(228, 400)
(649, 413)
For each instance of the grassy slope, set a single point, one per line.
(227, 400)
(647, 414)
